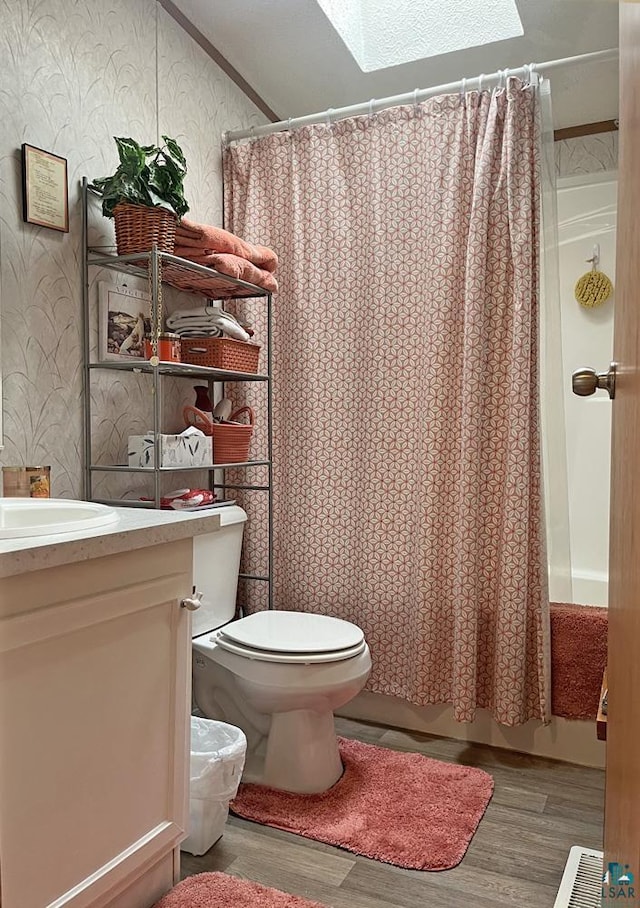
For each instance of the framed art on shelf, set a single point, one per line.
(123, 321)
(45, 191)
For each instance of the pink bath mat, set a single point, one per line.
(218, 890)
(578, 659)
(400, 808)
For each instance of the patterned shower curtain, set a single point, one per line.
(406, 430)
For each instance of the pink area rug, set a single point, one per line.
(400, 808)
(578, 659)
(218, 890)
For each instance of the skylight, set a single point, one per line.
(383, 33)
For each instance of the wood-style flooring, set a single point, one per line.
(540, 808)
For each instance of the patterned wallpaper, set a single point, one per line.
(587, 154)
(75, 73)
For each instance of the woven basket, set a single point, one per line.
(230, 440)
(194, 417)
(220, 353)
(139, 227)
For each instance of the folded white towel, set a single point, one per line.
(208, 320)
(198, 322)
(192, 323)
(231, 327)
(203, 332)
(196, 312)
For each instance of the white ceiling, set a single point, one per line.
(288, 51)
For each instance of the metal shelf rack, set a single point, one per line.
(188, 277)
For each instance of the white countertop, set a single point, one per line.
(136, 528)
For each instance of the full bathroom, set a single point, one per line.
(316, 442)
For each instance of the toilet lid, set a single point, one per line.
(292, 633)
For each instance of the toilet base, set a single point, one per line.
(285, 710)
(302, 752)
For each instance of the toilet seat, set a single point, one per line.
(291, 637)
(286, 658)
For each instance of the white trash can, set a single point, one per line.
(217, 760)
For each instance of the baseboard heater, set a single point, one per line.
(581, 885)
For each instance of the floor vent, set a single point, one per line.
(581, 885)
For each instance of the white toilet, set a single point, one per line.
(277, 675)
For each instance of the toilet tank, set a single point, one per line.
(216, 563)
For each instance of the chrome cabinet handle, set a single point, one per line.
(585, 381)
(192, 603)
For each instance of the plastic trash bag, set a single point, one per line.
(217, 760)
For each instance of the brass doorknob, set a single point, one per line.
(585, 381)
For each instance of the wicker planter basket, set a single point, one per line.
(231, 440)
(220, 353)
(139, 227)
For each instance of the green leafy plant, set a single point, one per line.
(148, 175)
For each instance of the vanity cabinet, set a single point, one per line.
(94, 724)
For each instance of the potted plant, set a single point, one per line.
(145, 195)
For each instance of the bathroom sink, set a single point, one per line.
(21, 517)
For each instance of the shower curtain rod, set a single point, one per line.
(420, 94)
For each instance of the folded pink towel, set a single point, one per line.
(233, 265)
(212, 240)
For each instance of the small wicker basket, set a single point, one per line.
(231, 440)
(195, 417)
(139, 227)
(220, 353)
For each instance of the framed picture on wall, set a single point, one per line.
(123, 321)
(45, 191)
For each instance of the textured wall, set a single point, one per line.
(587, 154)
(75, 73)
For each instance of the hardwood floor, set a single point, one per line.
(539, 809)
